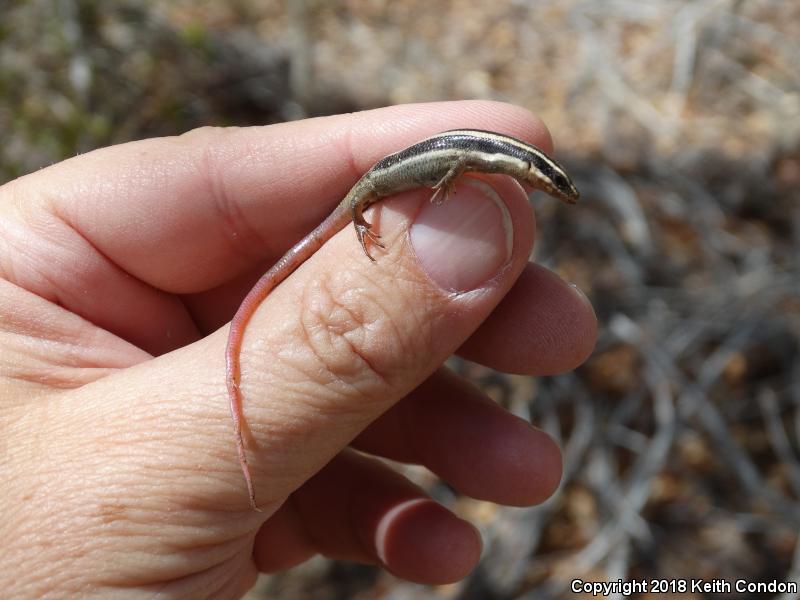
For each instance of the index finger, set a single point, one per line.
(188, 213)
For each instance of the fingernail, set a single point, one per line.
(465, 241)
(581, 294)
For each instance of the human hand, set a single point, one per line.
(120, 268)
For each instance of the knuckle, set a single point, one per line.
(204, 134)
(365, 336)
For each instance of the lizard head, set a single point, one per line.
(550, 177)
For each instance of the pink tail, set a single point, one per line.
(296, 256)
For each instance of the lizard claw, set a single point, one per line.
(364, 233)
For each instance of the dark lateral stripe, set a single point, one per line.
(505, 139)
(479, 141)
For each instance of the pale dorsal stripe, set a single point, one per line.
(497, 137)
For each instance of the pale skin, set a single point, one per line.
(118, 473)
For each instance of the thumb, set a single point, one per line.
(343, 339)
(329, 350)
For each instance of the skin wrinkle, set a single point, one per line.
(22, 251)
(88, 273)
(7, 270)
(297, 388)
(310, 321)
(293, 376)
(313, 320)
(56, 246)
(69, 349)
(367, 301)
(99, 272)
(401, 248)
(405, 250)
(240, 237)
(52, 379)
(230, 553)
(393, 294)
(9, 196)
(217, 574)
(349, 157)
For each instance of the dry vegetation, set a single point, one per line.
(681, 120)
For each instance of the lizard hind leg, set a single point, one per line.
(364, 230)
(445, 187)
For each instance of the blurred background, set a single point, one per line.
(680, 121)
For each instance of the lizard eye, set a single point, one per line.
(560, 181)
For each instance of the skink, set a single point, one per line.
(435, 162)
